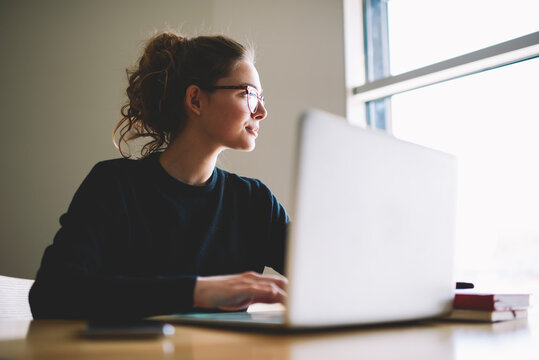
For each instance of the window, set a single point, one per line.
(455, 27)
(460, 76)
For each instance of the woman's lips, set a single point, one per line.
(252, 130)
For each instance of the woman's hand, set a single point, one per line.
(236, 292)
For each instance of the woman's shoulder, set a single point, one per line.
(113, 165)
(108, 177)
(254, 191)
(121, 166)
(245, 183)
(117, 173)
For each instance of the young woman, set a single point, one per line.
(171, 232)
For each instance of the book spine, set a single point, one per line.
(474, 302)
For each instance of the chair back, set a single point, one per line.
(14, 297)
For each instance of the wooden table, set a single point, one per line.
(60, 339)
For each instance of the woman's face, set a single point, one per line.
(226, 118)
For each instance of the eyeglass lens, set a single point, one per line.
(252, 100)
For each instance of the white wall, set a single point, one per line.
(63, 82)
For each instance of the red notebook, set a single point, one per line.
(490, 302)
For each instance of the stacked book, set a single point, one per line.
(489, 307)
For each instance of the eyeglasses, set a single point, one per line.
(253, 98)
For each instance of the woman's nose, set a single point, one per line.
(261, 112)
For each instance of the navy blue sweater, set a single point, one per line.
(134, 239)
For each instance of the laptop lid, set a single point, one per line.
(373, 226)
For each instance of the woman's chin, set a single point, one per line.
(247, 147)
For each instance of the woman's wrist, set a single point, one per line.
(199, 291)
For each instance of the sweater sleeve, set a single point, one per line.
(70, 282)
(277, 236)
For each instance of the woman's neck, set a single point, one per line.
(188, 160)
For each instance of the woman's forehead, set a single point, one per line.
(244, 73)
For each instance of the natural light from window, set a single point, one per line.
(422, 32)
(490, 121)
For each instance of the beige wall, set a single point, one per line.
(62, 84)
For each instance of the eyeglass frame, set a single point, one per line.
(248, 89)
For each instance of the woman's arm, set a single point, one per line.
(73, 280)
(274, 246)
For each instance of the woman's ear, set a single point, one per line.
(192, 99)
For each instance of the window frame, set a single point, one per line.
(369, 49)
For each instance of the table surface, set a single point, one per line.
(61, 339)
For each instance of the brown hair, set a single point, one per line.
(157, 85)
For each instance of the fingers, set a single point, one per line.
(279, 280)
(252, 288)
(268, 293)
(259, 292)
(234, 292)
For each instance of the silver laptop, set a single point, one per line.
(372, 233)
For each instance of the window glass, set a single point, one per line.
(490, 121)
(422, 32)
